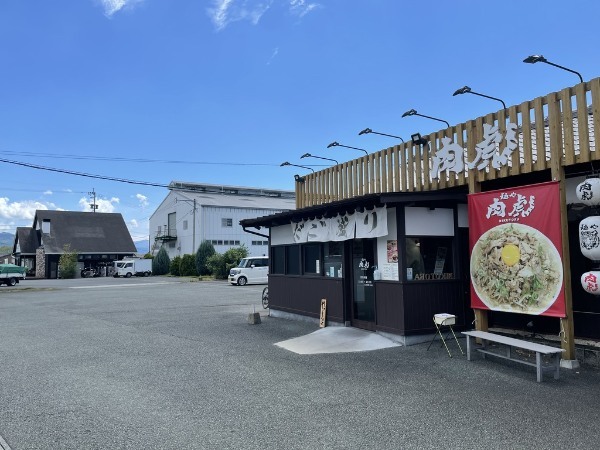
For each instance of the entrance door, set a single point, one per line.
(363, 289)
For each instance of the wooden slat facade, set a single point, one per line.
(407, 168)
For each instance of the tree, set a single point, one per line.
(187, 267)
(67, 263)
(161, 263)
(233, 256)
(174, 267)
(220, 265)
(205, 251)
(216, 265)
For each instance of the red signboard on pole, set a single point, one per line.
(516, 250)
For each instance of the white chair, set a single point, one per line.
(444, 320)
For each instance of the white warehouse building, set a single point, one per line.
(194, 212)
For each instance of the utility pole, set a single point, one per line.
(194, 221)
(93, 204)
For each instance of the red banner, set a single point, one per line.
(516, 250)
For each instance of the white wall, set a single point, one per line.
(429, 222)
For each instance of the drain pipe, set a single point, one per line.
(255, 232)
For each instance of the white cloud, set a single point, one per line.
(224, 12)
(48, 193)
(273, 55)
(142, 199)
(113, 6)
(19, 210)
(302, 7)
(133, 223)
(104, 205)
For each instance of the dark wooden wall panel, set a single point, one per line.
(389, 306)
(302, 295)
(423, 300)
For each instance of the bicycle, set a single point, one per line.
(265, 297)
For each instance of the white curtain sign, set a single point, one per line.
(299, 231)
(371, 223)
(368, 224)
(341, 228)
(318, 230)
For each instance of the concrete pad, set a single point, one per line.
(337, 340)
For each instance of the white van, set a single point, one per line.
(253, 270)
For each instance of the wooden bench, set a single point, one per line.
(509, 342)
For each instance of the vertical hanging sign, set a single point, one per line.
(516, 250)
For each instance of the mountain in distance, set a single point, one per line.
(7, 239)
(142, 246)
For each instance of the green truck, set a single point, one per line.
(10, 274)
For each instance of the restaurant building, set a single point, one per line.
(481, 220)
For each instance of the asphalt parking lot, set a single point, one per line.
(162, 363)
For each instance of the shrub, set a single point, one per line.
(233, 256)
(187, 267)
(216, 265)
(67, 262)
(205, 251)
(160, 264)
(174, 266)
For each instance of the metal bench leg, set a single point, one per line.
(557, 363)
(538, 366)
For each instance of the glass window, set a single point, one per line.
(429, 258)
(293, 260)
(226, 222)
(312, 258)
(278, 258)
(333, 257)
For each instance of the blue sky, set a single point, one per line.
(224, 91)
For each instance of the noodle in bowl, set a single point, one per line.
(516, 268)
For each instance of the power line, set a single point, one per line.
(83, 174)
(137, 160)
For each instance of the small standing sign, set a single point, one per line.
(323, 313)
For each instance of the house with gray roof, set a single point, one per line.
(97, 238)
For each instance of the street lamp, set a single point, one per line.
(539, 58)
(413, 112)
(369, 131)
(295, 165)
(467, 90)
(308, 155)
(337, 144)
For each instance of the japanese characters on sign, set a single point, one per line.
(495, 147)
(516, 250)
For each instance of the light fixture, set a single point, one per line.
(413, 112)
(337, 144)
(298, 178)
(308, 155)
(467, 90)
(295, 165)
(539, 58)
(369, 131)
(417, 139)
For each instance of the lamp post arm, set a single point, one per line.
(388, 135)
(429, 117)
(487, 96)
(565, 68)
(328, 159)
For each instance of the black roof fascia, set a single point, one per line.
(458, 195)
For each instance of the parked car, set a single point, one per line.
(10, 274)
(251, 270)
